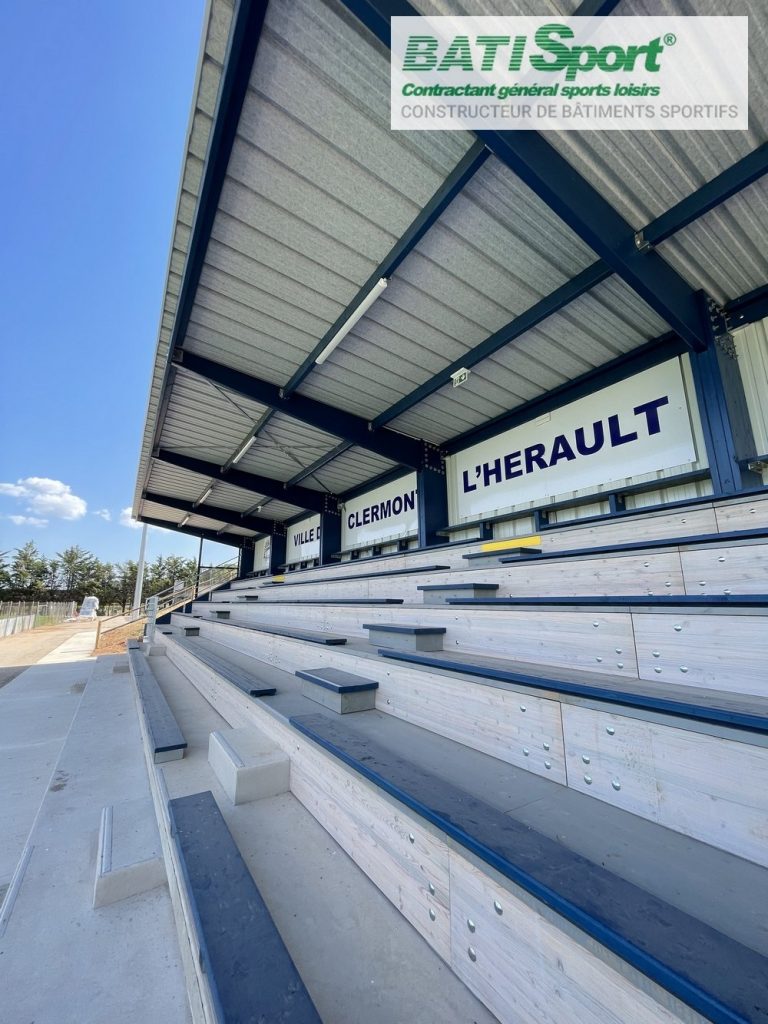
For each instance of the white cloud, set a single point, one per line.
(104, 513)
(127, 520)
(46, 497)
(27, 520)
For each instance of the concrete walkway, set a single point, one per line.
(70, 745)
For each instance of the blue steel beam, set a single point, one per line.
(556, 300)
(194, 531)
(469, 164)
(744, 172)
(223, 515)
(246, 32)
(318, 464)
(578, 203)
(581, 206)
(303, 497)
(738, 176)
(345, 425)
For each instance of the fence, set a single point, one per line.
(18, 616)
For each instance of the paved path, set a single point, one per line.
(25, 649)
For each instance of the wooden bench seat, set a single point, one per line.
(237, 677)
(328, 639)
(634, 600)
(358, 576)
(719, 977)
(250, 972)
(166, 740)
(692, 540)
(743, 711)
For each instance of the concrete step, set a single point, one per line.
(405, 638)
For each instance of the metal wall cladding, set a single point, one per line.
(206, 420)
(494, 252)
(318, 191)
(594, 329)
(752, 347)
(284, 447)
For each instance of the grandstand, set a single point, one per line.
(485, 417)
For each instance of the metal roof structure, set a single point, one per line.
(536, 260)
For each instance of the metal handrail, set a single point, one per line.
(210, 578)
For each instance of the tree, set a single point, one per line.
(28, 571)
(5, 571)
(77, 569)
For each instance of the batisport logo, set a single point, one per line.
(595, 73)
(489, 53)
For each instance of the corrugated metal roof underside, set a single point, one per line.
(284, 447)
(644, 173)
(205, 420)
(280, 510)
(724, 252)
(156, 510)
(210, 64)
(495, 252)
(348, 470)
(594, 329)
(533, 8)
(165, 479)
(295, 237)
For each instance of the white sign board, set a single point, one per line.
(385, 513)
(261, 554)
(639, 425)
(303, 541)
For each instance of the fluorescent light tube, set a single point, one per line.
(206, 494)
(235, 459)
(348, 324)
(184, 521)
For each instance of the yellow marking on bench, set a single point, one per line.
(278, 579)
(511, 542)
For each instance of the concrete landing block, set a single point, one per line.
(129, 859)
(120, 666)
(248, 764)
(191, 630)
(222, 613)
(406, 638)
(152, 650)
(339, 691)
(439, 593)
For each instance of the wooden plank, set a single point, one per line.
(720, 651)
(708, 787)
(517, 728)
(528, 970)
(736, 569)
(655, 526)
(744, 514)
(377, 836)
(714, 974)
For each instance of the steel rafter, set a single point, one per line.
(222, 515)
(303, 497)
(245, 36)
(194, 531)
(354, 429)
(469, 164)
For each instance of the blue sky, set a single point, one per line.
(95, 102)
